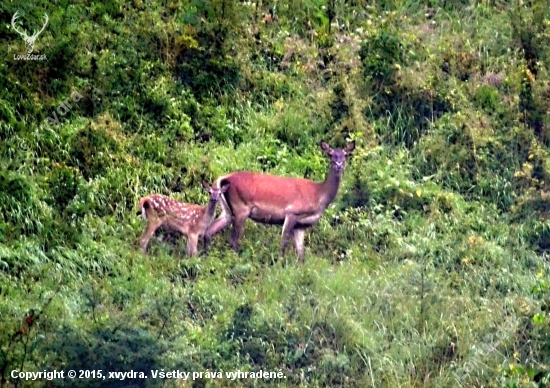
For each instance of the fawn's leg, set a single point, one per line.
(152, 226)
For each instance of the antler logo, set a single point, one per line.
(29, 40)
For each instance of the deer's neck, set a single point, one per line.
(329, 188)
(210, 211)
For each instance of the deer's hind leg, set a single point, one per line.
(152, 226)
(217, 225)
(238, 226)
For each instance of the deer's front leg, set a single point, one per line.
(206, 240)
(192, 242)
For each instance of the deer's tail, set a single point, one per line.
(226, 208)
(143, 206)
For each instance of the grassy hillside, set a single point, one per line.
(430, 269)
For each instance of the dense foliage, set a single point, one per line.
(438, 237)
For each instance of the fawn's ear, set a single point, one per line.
(206, 186)
(224, 187)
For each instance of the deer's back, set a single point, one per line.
(270, 195)
(162, 204)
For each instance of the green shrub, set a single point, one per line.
(64, 182)
(487, 97)
(381, 54)
(92, 151)
(20, 205)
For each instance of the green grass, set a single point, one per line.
(438, 236)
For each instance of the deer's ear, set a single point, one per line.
(224, 188)
(350, 147)
(206, 186)
(325, 147)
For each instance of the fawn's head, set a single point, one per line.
(215, 192)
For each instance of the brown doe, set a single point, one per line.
(189, 219)
(295, 203)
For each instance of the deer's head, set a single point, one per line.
(29, 40)
(215, 192)
(337, 156)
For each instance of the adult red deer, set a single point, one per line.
(189, 219)
(295, 203)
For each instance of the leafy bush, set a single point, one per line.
(92, 151)
(381, 54)
(19, 204)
